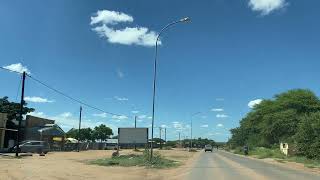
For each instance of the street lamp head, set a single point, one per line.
(186, 19)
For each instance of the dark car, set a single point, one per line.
(32, 147)
(208, 147)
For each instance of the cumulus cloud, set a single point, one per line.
(217, 109)
(37, 114)
(179, 126)
(164, 126)
(134, 112)
(252, 103)
(35, 99)
(104, 19)
(265, 7)
(17, 68)
(222, 116)
(122, 117)
(142, 116)
(121, 98)
(110, 17)
(66, 115)
(102, 115)
(219, 125)
(204, 126)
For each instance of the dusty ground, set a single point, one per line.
(72, 165)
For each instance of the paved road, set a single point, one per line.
(222, 165)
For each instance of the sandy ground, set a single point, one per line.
(73, 165)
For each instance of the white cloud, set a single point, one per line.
(134, 112)
(120, 74)
(110, 17)
(121, 98)
(66, 115)
(126, 36)
(252, 103)
(149, 117)
(37, 114)
(265, 7)
(102, 115)
(37, 99)
(222, 116)
(17, 68)
(178, 126)
(122, 117)
(164, 126)
(204, 126)
(217, 109)
(219, 125)
(142, 116)
(219, 99)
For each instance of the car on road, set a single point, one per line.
(32, 147)
(208, 147)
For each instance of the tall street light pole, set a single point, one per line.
(155, 75)
(191, 128)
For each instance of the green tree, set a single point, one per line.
(12, 110)
(276, 119)
(86, 134)
(102, 132)
(308, 136)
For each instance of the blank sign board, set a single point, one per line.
(133, 135)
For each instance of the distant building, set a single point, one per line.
(42, 129)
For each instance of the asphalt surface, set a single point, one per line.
(222, 165)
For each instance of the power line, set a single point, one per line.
(18, 91)
(61, 93)
(71, 98)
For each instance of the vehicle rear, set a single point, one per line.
(208, 147)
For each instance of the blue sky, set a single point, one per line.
(102, 52)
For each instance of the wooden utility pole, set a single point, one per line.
(160, 137)
(20, 115)
(79, 128)
(135, 126)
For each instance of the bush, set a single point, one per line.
(137, 160)
(308, 136)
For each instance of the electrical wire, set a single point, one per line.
(18, 88)
(72, 98)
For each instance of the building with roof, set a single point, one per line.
(42, 129)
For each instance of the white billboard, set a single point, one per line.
(133, 135)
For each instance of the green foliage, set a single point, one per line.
(102, 132)
(308, 136)
(86, 134)
(292, 117)
(12, 109)
(137, 160)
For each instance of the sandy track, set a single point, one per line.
(72, 165)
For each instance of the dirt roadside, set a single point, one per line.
(286, 164)
(74, 166)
